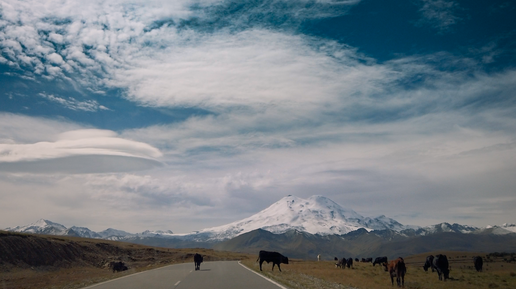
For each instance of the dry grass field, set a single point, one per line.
(312, 274)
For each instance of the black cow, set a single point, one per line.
(349, 262)
(341, 263)
(478, 263)
(429, 263)
(380, 260)
(366, 260)
(197, 261)
(274, 257)
(356, 260)
(336, 259)
(117, 266)
(441, 266)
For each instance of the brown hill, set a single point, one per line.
(44, 261)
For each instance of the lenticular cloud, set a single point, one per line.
(80, 151)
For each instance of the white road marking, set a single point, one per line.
(177, 283)
(270, 280)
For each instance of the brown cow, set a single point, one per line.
(397, 268)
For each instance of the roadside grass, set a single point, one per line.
(323, 274)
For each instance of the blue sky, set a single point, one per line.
(189, 114)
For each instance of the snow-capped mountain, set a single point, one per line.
(113, 234)
(47, 227)
(500, 230)
(82, 232)
(509, 227)
(445, 228)
(41, 227)
(315, 215)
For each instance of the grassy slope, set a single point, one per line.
(313, 274)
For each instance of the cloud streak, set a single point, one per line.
(440, 14)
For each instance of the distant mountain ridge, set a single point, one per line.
(47, 227)
(316, 215)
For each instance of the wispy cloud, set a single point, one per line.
(73, 104)
(440, 14)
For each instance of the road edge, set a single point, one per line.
(266, 278)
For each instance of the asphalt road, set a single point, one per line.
(216, 275)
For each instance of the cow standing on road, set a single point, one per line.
(274, 257)
(197, 261)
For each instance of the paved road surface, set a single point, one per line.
(216, 275)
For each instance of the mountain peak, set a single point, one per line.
(315, 215)
(46, 223)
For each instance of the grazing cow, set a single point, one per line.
(274, 257)
(117, 266)
(366, 260)
(197, 261)
(380, 260)
(356, 260)
(397, 268)
(336, 259)
(341, 263)
(429, 263)
(441, 266)
(349, 262)
(478, 263)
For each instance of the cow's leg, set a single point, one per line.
(392, 280)
(273, 266)
(279, 267)
(261, 262)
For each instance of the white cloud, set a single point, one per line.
(79, 151)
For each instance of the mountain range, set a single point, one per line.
(300, 224)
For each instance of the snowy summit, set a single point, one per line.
(315, 215)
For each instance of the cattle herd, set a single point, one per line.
(397, 268)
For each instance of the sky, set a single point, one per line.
(188, 114)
